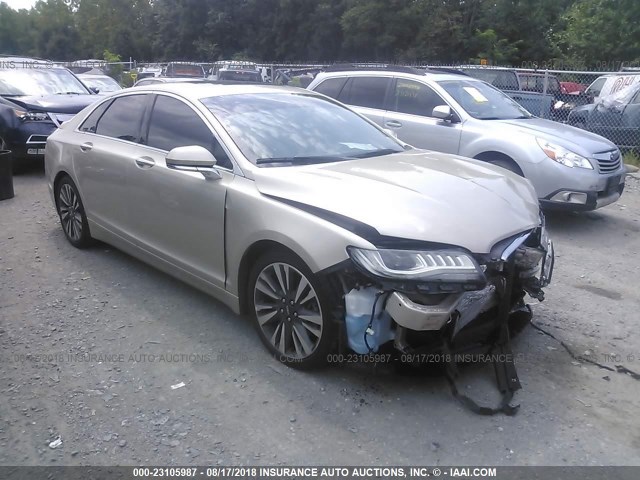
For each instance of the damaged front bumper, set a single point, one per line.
(416, 310)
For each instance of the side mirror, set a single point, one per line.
(443, 112)
(95, 90)
(193, 158)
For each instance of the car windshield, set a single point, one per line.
(482, 101)
(296, 129)
(103, 84)
(39, 82)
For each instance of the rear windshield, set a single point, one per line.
(180, 70)
(239, 76)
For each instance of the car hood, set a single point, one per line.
(55, 103)
(417, 195)
(575, 139)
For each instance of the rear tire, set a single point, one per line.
(291, 309)
(72, 215)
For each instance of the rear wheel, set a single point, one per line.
(291, 310)
(72, 215)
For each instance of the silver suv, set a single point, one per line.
(454, 113)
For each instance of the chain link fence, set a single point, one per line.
(604, 102)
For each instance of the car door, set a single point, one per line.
(410, 114)
(179, 215)
(630, 134)
(367, 96)
(107, 143)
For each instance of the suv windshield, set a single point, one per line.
(39, 82)
(296, 129)
(482, 101)
(103, 84)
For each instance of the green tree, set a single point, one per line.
(601, 32)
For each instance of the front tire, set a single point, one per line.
(291, 310)
(72, 215)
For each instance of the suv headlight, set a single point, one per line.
(563, 156)
(436, 265)
(25, 115)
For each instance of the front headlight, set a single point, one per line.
(436, 265)
(563, 156)
(33, 116)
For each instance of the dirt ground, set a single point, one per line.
(92, 341)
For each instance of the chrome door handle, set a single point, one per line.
(145, 162)
(393, 124)
(85, 147)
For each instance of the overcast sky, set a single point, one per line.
(17, 4)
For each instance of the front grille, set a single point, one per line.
(608, 162)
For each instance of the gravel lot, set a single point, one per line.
(114, 335)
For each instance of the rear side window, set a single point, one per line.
(331, 87)
(175, 124)
(90, 124)
(123, 118)
(365, 92)
(415, 98)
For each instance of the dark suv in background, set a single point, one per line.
(36, 96)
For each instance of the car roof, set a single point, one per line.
(197, 90)
(92, 75)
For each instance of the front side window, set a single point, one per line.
(123, 118)
(296, 129)
(365, 92)
(415, 98)
(175, 124)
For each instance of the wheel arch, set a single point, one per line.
(492, 155)
(251, 255)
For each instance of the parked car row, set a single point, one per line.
(458, 114)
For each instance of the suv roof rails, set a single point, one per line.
(450, 70)
(345, 67)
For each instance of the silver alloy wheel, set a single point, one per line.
(70, 214)
(288, 310)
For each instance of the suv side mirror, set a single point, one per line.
(95, 90)
(193, 158)
(443, 112)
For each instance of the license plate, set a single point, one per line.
(35, 151)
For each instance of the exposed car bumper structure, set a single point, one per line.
(422, 300)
